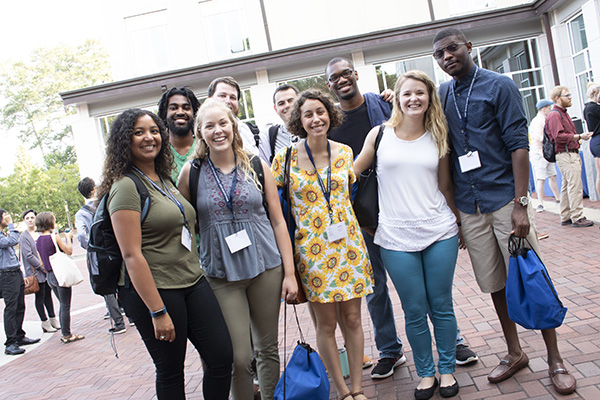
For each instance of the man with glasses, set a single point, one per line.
(490, 170)
(562, 131)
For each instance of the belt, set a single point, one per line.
(568, 151)
(9, 270)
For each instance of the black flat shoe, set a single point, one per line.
(449, 391)
(13, 350)
(24, 341)
(426, 394)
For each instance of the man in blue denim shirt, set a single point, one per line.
(12, 288)
(490, 162)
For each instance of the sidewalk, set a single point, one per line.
(88, 369)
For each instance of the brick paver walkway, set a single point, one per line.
(89, 370)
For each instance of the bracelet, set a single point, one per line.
(459, 223)
(160, 312)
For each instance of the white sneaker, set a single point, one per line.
(539, 208)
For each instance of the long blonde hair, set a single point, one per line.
(237, 145)
(435, 120)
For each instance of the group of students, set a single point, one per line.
(224, 294)
(228, 304)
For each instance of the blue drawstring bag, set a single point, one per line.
(304, 377)
(531, 298)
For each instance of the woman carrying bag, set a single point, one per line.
(48, 243)
(330, 251)
(417, 231)
(245, 251)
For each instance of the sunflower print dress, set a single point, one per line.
(330, 272)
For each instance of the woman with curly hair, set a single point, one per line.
(330, 252)
(169, 299)
(245, 251)
(417, 232)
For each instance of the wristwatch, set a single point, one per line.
(523, 200)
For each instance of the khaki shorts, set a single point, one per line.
(486, 237)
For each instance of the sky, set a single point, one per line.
(30, 24)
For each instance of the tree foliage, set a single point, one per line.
(33, 108)
(41, 189)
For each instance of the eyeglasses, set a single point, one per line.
(568, 96)
(347, 73)
(451, 48)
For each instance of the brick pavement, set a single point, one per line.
(89, 370)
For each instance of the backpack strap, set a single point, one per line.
(88, 208)
(144, 195)
(256, 132)
(273, 132)
(257, 166)
(195, 166)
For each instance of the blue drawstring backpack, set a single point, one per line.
(304, 377)
(531, 298)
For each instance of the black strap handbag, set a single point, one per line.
(366, 201)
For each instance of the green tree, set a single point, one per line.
(33, 108)
(41, 189)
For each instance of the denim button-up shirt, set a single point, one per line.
(8, 258)
(496, 126)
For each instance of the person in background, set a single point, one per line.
(168, 295)
(419, 239)
(226, 90)
(278, 135)
(47, 244)
(83, 223)
(33, 266)
(591, 113)
(562, 131)
(330, 252)
(12, 288)
(542, 169)
(177, 108)
(250, 277)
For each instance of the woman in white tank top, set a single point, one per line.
(418, 231)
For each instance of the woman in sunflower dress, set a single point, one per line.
(330, 252)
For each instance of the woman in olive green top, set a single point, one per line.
(169, 299)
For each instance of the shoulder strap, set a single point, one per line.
(195, 166)
(273, 132)
(256, 132)
(286, 173)
(444, 89)
(144, 195)
(377, 141)
(88, 208)
(260, 173)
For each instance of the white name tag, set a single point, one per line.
(336, 232)
(238, 241)
(469, 161)
(186, 238)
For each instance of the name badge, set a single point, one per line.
(469, 161)
(336, 232)
(186, 238)
(238, 241)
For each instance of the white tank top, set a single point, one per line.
(413, 213)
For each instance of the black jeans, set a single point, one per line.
(43, 298)
(64, 298)
(196, 316)
(13, 292)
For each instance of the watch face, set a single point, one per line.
(524, 200)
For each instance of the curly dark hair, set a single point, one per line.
(163, 103)
(295, 123)
(118, 149)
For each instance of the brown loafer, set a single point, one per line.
(506, 369)
(562, 380)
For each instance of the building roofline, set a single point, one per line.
(289, 55)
